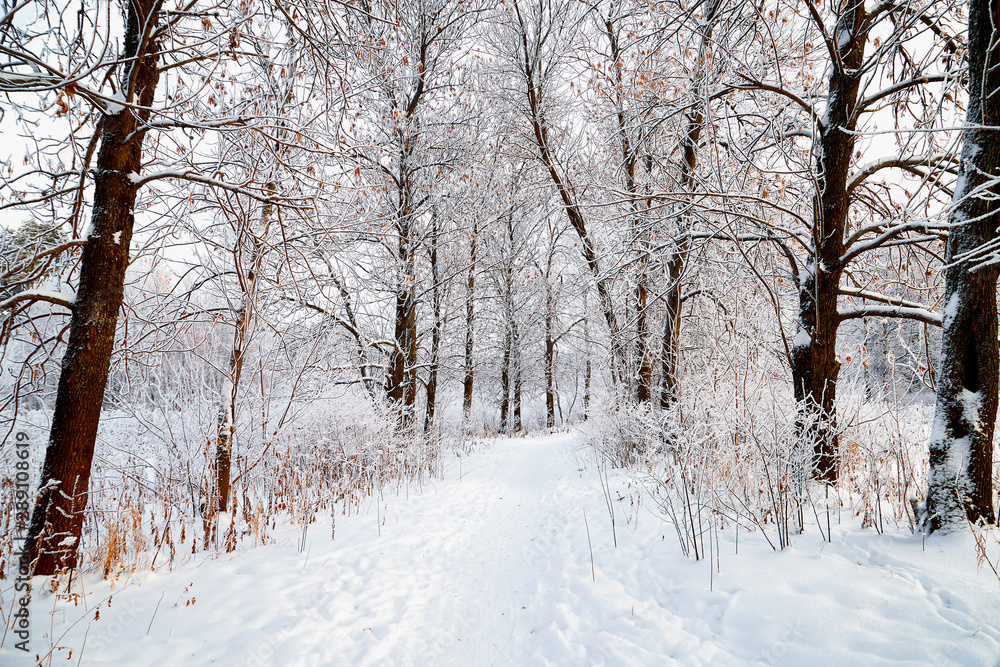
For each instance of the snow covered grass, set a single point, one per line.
(492, 566)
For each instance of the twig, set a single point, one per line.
(79, 660)
(593, 572)
(149, 627)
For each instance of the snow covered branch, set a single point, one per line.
(899, 312)
(57, 298)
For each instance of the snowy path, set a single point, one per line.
(492, 567)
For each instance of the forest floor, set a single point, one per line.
(493, 566)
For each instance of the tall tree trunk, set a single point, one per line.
(516, 375)
(241, 335)
(400, 383)
(57, 520)
(550, 348)
(815, 369)
(401, 375)
(510, 373)
(401, 378)
(438, 326)
(467, 382)
(568, 196)
(587, 368)
(505, 366)
(814, 354)
(960, 484)
(670, 350)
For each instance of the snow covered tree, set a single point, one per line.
(540, 35)
(960, 483)
(167, 61)
(825, 240)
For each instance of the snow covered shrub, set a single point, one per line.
(884, 458)
(679, 475)
(621, 433)
(733, 457)
(152, 497)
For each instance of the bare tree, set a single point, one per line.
(539, 33)
(824, 242)
(120, 89)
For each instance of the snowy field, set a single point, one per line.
(492, 566)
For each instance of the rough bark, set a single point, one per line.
(507, 372)
(517, 376)
(550, 350)
(814, 355)
(401, 375)
(960, 484)
(587, 369)
(401, 378)
(57, 520)
(510, 372)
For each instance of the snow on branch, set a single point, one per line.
(58, 298)
(755, 84)
(885, 234)
(197, 177)
(882, 298)
(900, 312)
(37, 257)
(12, 81)
(903, 85)
(907, 164)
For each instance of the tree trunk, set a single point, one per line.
(814, 354)
(516, 375)
(587, 368)
(244, 318)
(467, 383)
(505, 383)
(644, 375)
(400, 384)
(401, 378)
(670, 351)
(57, 520)
(815, 369)
(550, 347)
(960, 484)
(510, 372)
(438, 326)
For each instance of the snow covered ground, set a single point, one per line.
(492, 566)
